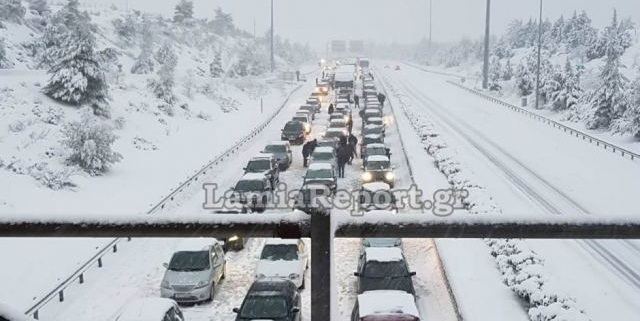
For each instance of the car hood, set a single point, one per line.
(185, 277)
(279, 268)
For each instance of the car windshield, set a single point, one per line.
(300, 118)
(376, 151)
(372, 130)
(375, 269)
(261, 165)
(370, 140)
(322, 156)
(249, 186)
(275, 252)
(377, 165)
(264, 307)
(189, 261)
(319, 173)
(293, 126)
(276, 149)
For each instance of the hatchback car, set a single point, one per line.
(322, 173)
(193, 272)
(384, 268)
(284, 259)
(281, 151)
(267, 165)
(252, 192)
(276, 300)
(151, 309)
(294, 132)
(378, 169)
(385, 305)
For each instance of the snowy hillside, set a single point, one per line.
(218, 78)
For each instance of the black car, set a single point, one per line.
(294, 132)
(270, 299)
(384, 268)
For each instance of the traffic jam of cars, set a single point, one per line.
(383, 278)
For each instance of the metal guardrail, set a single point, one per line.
(625, 153)
(112, 246)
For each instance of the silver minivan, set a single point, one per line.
(193, 272)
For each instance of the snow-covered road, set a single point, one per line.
(532, 170)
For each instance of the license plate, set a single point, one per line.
(182, 295)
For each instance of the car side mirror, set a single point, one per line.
(166, 265)
(295, 309)
(412, 273)
(236, 310)
(356, 274)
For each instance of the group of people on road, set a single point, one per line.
(346, 152)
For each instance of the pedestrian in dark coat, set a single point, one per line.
(307, 150)
(343, 158)
(356, 99)
(350, 123)
(381, 98)
(330, 109)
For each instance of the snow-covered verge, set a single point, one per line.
(589, 78)
(216, 85)
(522, 270)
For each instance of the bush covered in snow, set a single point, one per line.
(89, 141)
(164, 83)
(12, 10)
(49, 115)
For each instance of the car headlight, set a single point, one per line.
(233, 238)
(165, 284)
(201, 285)
(366, 176)
(294, 276)
(389, 176)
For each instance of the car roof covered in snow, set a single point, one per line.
(196, 244)
(372, 119)
(253, 177)
(335, 129)
(383, 254)
(262, 155)
(323, 149)
(373, 136)
(281, 241)
(377, 158)
(376, 186)
(279, 143)
(375, 145)
(146, 309)
(320, 166)
(372, 111)
(387, 302)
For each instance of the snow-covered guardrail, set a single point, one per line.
(112, 246)
(625, 153)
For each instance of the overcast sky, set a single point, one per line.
(318, 21)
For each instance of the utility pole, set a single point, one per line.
(430, 23)
(273, 63)
(539, 58)
(485, 67)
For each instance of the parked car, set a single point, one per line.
(281, 151)
(329, 142)
(371, 113)
(312, 109)
(311, 115)
(303, 118)
(294, 132)
(252, 192)
(284, 259)
(338, 123)
(193, 271)
(335, 116)
(382, 242)
(267, 299)
(376, 196)
(385, 305)
(324, 155)
(378, 169)
(375, 121)
(374, 129)
(335, 133)
(151, 309)
(322, 173)
(370, 139)
(311, 198)
(384, 268)
(267, 165)
(375, 149)
(315, 102)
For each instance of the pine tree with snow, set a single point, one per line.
(183, 11)
(76, 74)
(39, 6)
(126, 29)
(145, 63)
(164, 84)
(630, 120)
(223, 23)
(568, 92)
(216, 66)
(90, 143)
(524, 80)
(609, 100)
(507, 72)
(12, 11)
(557, 31)
(579, 32)
(616, 36)
(495, 74)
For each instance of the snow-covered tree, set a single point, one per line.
(579, 32)
(507, 72)
(563, 87)
(183, 11)
(164, 83)
(126, 28)
(216, 65)
(617, 36)
(223, 23)
(90, 143)
(4, 62)
(557, 31)
(525, 81)
(144, 63)
(502, 49)
(630, 121)
(495, 74)
(76, 74)
(39, 6)
(608, 101)
(12, 10)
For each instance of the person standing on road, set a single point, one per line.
(343, 158)
(350, 123)
(330, 109)
(356, 99)
(307, 150)
(381, 99)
